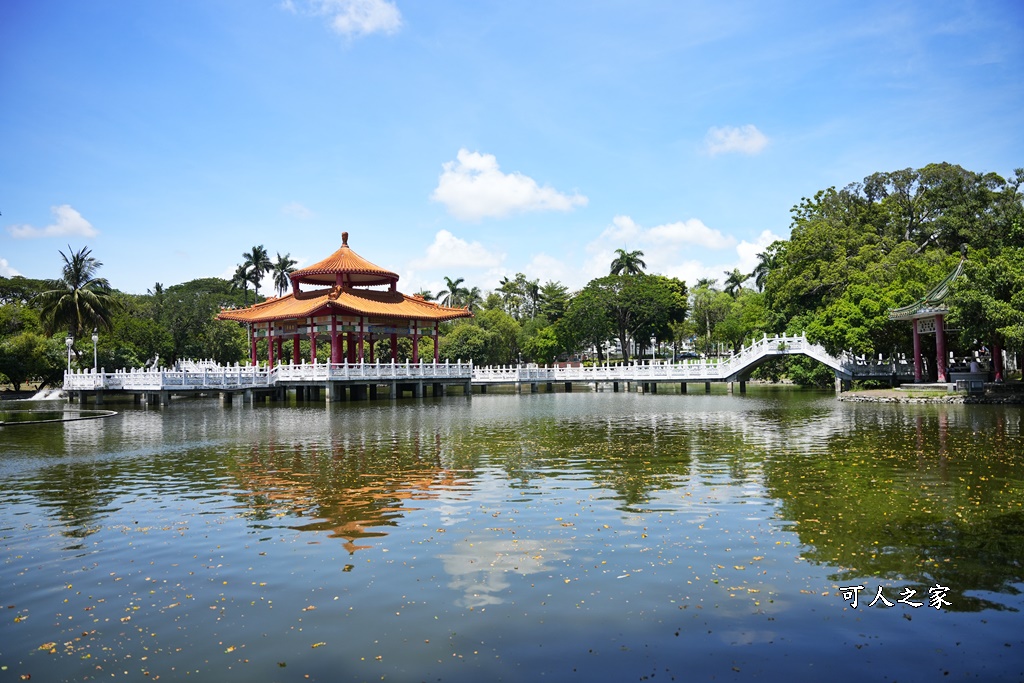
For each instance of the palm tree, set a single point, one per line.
(241, 279)
(628, 262)
(473, 298)
(283, 267)
(734, 282)
(767, 261)
(454, 294)
(258, 262)
(78, 301)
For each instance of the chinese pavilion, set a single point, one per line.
(347, 306)
(928, 316)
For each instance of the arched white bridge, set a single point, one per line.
(364, 378)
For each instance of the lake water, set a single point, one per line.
(562, 537)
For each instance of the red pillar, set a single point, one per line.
(280, 349)
(312, 347)
(295, 349)
(394, 348)
(373, 356)
(940, 349)
(270, 345)
(437, 349)
(252, 343)
(997, 361)
(350, 352)
(917, 353)
(362, 331)
(335, 342)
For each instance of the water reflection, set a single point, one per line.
(353, 490)
(911, 495)
(914, 499)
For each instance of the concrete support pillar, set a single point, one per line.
(682, 387)
(568, 387)
(248, 396)
(165, 398)
(533, 387)
(225, 398)
(615, 387)
(743, 387)
(98, 397)
(707, 387)
(335, 392)
(373, 391)
(549, 387)
(730, 387)
(654, 387)
(483, 388)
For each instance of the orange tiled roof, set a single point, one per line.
(355, 269)
(367, 302)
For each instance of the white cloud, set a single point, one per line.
(68, 222)
(6, 270)
(297, 210)
(354, 17)
(473, 187)
(448, 251)
(692, 232)
(676, 249)
(748, 251)
(744, 139)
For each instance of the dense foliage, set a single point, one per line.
(852, 256)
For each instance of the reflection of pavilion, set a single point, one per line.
(928, 316)
(343, 309)
(352, 504)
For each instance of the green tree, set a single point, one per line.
(709, 307)
(987, 301)
(734, 282)
(453, 294)
(257, 264)
(627, 263)
(79, 301)
(554, 299)
(242, 278)
(282, 268)
(29, 356)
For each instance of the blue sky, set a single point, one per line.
(475, 139)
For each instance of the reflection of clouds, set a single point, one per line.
(480, 569)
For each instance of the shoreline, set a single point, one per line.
(912, 395)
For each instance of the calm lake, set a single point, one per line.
(562, 537)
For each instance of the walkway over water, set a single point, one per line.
(364, 378)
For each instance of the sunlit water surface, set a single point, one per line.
(582, 536)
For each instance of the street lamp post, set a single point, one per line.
(95, 360)
(69, 341)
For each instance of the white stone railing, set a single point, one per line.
(207, 375)
(214, 377)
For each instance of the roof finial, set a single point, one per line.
(344, 239)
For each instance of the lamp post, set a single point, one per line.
(95, 339)
(654, 347)
(69, 341)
